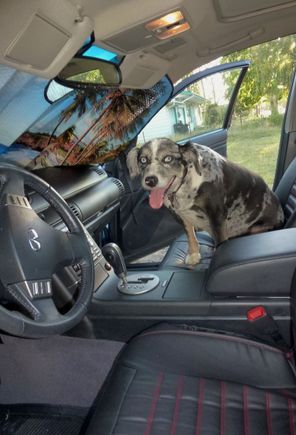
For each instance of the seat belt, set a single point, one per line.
(265, 326)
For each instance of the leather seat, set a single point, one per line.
(178, 380)
(286, 192)
(176, 254)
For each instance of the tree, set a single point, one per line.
(269, 74)
(120, 116)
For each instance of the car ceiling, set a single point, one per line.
(40, 37)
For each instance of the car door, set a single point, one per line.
(199, 110)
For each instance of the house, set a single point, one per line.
(183, 114)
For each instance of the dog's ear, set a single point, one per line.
(132, 162)
(190, 154)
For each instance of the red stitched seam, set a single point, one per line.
(246, 410)
(291, 416)
(268, 413)
(219, 336)
(223, 409)
(201, 391)
(153, 407)
(179, 394)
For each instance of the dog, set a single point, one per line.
(205, 191)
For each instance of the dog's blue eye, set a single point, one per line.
(167, 159)
(143, 160)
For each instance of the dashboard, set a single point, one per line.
(91, 194)
(94, 197)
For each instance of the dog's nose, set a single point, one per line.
(151, 181)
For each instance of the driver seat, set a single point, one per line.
(179, 380)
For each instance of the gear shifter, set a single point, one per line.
(113, 255)
(136, 283)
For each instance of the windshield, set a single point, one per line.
(83, 127)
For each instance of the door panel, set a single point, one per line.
(200, 111)
(217, 140)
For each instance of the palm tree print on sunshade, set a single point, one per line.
(58, 146)
(103, 123)
(119, 120)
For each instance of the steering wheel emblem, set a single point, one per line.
(34, 242)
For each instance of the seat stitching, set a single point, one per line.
(291, 416)
(220, 337)
(122, 401)
(223, 408)
(246, 410)
(201, 390)
(154, 402)
(268, 413)
(179, 395)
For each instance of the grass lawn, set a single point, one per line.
(255, 145)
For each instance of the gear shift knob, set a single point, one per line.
(113, 255)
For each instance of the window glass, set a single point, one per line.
(199, 108)
(254, 136)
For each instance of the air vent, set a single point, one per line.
(132, 39)
(119, 185)
(76, 211)
(100, 171)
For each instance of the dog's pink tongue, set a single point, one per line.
(156, 197)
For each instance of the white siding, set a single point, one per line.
(159, 126)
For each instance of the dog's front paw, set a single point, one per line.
(192, 259)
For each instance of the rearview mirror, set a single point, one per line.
(83, 71)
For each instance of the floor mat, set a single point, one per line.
(41, 420)
(59, 370)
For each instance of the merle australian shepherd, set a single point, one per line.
(205, 191)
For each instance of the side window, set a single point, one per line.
(199, 108)
(254, 136)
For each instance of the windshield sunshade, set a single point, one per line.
(84, 127)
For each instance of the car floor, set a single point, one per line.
(63, 371)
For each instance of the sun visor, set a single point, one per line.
(41, 41)
(142, 70)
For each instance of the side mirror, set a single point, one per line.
(87, 72)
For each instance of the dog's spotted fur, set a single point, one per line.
(207, 192)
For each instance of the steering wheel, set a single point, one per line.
(31, 252)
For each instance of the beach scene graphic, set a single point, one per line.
(87, 127)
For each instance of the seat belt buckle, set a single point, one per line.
(265, 325)
(256, 313)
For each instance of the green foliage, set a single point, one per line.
(276, 119)
(214, 115)
(269, 75)
(94, 76)
(255, 145)
(195, 87)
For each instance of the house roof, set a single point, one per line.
(187, 97)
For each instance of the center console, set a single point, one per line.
(244, 272)
(257, 265)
